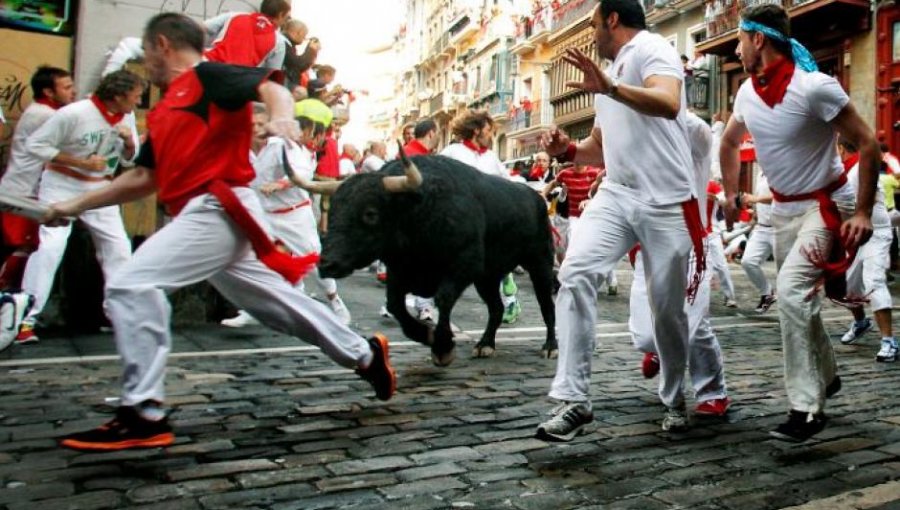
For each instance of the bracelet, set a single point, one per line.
(569, 155)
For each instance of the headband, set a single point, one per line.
(802, 57)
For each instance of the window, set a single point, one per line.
(896, 44)
(695, 35)
(673, 40)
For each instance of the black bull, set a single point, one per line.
(454, 227)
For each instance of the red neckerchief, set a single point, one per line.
(773, 83)
(46, 101)
(346, 156)
(111, 118)
(475, 148)
(850, 161)
(415, 148)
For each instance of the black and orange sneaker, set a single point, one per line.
(380, 374)
(126, 431)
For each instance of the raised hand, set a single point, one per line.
(555, 141)
(595, 81)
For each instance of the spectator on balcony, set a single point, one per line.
(296, 65)
(699, 65)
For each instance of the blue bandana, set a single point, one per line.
(802, 57)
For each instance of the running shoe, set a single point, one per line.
(567, 421)
(127, 430)
(857, 330)
(650, 365)
(800, 426)
(380, 374)
(766, 302)
(888, 352)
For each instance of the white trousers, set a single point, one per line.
(201, 243)
(867, 275)
(111, 244)
(715, 262)
(610, 226)
(297, 230)
(565, 227)
(809, 364)
(759, 248)
(705, 356)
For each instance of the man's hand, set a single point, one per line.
(94, 163)
(270, 187)
(856, 230)
(61, 213)
(595, 81)
(314, 44)
(731, 211)
(555, 141)
(124, 133)
(285, 128)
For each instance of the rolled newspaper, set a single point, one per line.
(21, 206)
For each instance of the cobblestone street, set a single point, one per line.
(280, 426)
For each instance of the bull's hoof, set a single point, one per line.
(483, 351)
(443, 360)
(551, 354)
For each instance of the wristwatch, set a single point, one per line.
(613, 87)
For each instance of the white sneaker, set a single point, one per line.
(730, 303)
(675, 420)
(384, 312)
(13, 308)
(340, 309)
(240, 320)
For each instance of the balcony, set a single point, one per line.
(570, 12)
(532, 30)
(440, 44)
(522, 119)
(462, 26)
(819, 21)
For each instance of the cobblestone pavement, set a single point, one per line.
(282, 427)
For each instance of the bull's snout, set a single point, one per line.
(332, 268)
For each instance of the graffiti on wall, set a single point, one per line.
(16, 68)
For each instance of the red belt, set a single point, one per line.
(68, 172)
(285, 210)
(292, 268)
(834, 264)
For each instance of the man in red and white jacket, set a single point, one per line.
(83, 144)
(251, 39)
(793, 113)
(475, 132)
(52, 88)
(195, 159)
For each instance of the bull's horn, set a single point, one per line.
(323, 187)
(409, 182)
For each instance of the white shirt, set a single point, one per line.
(649, 155)
(487, 162)
(795, 143)
(715, 169)
(763, 211)
(372, 163)
(346, 168)
(80, 130)
(269, 167)
(23, 170)
(701, 140)
(880, 217)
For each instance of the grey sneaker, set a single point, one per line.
(675, 420)
(569, 419)
(857, 329)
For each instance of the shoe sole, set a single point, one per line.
(546, 436)
(157, 441)
(28, 341)
(385, 357)
(790, 439)
(886, 360)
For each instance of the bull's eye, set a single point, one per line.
(370, 216)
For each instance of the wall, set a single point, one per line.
(862, 75)
(97, 34)
(16, 68)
